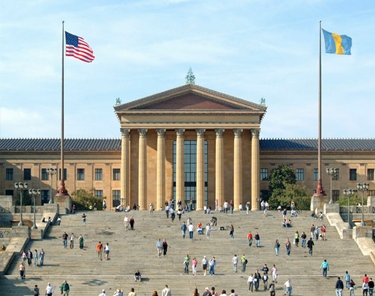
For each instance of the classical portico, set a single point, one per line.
(191, 144)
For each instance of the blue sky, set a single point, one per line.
(248, 49)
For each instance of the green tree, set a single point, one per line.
(281, 176)
(354, 200)
(85, 199)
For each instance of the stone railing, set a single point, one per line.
(5, 232)
(5, 209)
(28, 209)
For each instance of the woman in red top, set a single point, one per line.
(323, 229)
(250, 238)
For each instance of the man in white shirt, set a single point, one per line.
(288, 287)
(126, 223)
(49, 290)
(166, 291)
(235, 262)
(191, 230)
(226, 207)
(103, 293)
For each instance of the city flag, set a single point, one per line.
(77, 47)
(338, 44)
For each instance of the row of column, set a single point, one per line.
(180, 175)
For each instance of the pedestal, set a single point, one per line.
(64, 203)
(318, 202)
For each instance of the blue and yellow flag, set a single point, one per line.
(338, 44)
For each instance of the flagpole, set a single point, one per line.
(62, 191)
(319, 189)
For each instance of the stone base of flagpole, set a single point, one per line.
(63, 199)
(319, 199)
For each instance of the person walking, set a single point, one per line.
(126, 222)
(206, 292)
(65, 288)
(351, 287)
(339, 287)
(265, 281)
(80, 240)
(274, 273)
(257, 239)
(159, 247)
(212, 264)
(186, 263)
(194, 266)
(325, 267)
(106, 251)
(22, 269)
(29, 257)
(36, 257)
(231, 232)
(244, 262)
(208, 230)
(204, 265)
(166, 291)
(151, 208)
(131, 222)
(371, 287)
(183, 229)
(272, 288)
(288, 246)
(250, 238)
(99, 250)
(288, 288)
(132, 293)
(312, 231)
(347, 280)
(277, 247)
(303, 239)
(65, 239)
(191, 230)
(41, 257)
(296, 238)
(103, 293)
(36, 290)
(49, 290)
(256, 279)
(71, 241)
(235, 262)
(250, 281)
(310, 245)
(165, 247)
(84, 219)
(365, 289)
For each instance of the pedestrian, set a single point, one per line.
(36, 290)
(131, 222)
(232, 293)
(265, 268)
(132, 293)
(120, 292)
(206, 292)
(277, 247)
(183, 229)
(99, 250)
(36, 257)
(274, 273)
(65, 288)
(159, 247)
(191, 230)
(173, 215)
(49, 290)
(104, 205)
(235, 262)
(323, 229)
(247, 207)
(165, 247)
(166, 291)
(365, 279)
(257, 239)
(194, 266)
(226, 207)
(58, 221)
(208, 230)
(155, 294)
(288, 246)
(65, 239)
(216, 205)
(244, 262)
(231, 232)
(186, 263)
(106, 251)
(288, 287)
(365, 289)
(296, 238)
(204, 265)
(72, 240)
(80, 240)
(257, 279)
(41, 257)
(29, 257)
(325, 267)
(73, 209)
(23, 256)
(312, 231)
(250, 281)
(371, 287)
(84, 219)
(212, 264)
(167, 211)
(151, 208)
(339, 287)
(103, 293)
(284, 214)
(347, 280)
(22, 271)
(213, 292)
(310, 245)
(303, 239)
(272, 289)
(351, 288)
(265, 281)
(196, 293)
(250, 238)
(316, 233)
(126, 222)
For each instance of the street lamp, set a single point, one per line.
(349, 193)
(51, 172)
(362, 187)
(20, 186)
(34, 192)
(332, 172)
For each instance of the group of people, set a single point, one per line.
(367, 284)
(64, 289)
(71, 237)
(29, 256)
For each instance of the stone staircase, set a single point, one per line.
(132, 250)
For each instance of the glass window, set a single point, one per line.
(64, 174)
(299, 174)
(116, 196)
(337, 176)
(98, 193)
(9, 174)
(9, 192)
(353, 174)
(370, 174)
(98, 174)
(316, 174)
(27, 174)
(44, 174)
(335, 194)
(116, 175)
(263, 174)
(80, 174)
(45, 196)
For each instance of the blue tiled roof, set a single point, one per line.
(28, 144)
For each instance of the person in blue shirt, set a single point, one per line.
(347, 280)
(325, 267)
(183, 229)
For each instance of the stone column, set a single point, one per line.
(160, 170)
(200, 169)
(255, 171)
(125, 166)
(237, 170)
(219, 166)
(180, 161)
(142, 168)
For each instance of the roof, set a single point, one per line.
(29, 144)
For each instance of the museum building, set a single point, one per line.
(188, 143)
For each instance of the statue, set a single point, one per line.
(118, 101)
(190, 78)
(262, 101)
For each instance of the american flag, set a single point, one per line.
(77, 47)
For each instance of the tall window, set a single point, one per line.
(299, 174)
(9, 174)
(27, 174)
(45, 196)
(370, 174)
(44, 174)
(98, 193)
(80, 174)
(64, 174)
(116, 196)
(335, 194)
(337, 176)
(98, 174)
(316, 174)
(116, 174)
(263, 174)
(353, 174)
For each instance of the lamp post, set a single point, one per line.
(34, 192)
(20, 187)
(332, 172)
(349, 193)
(51, 172)
(362, 187)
